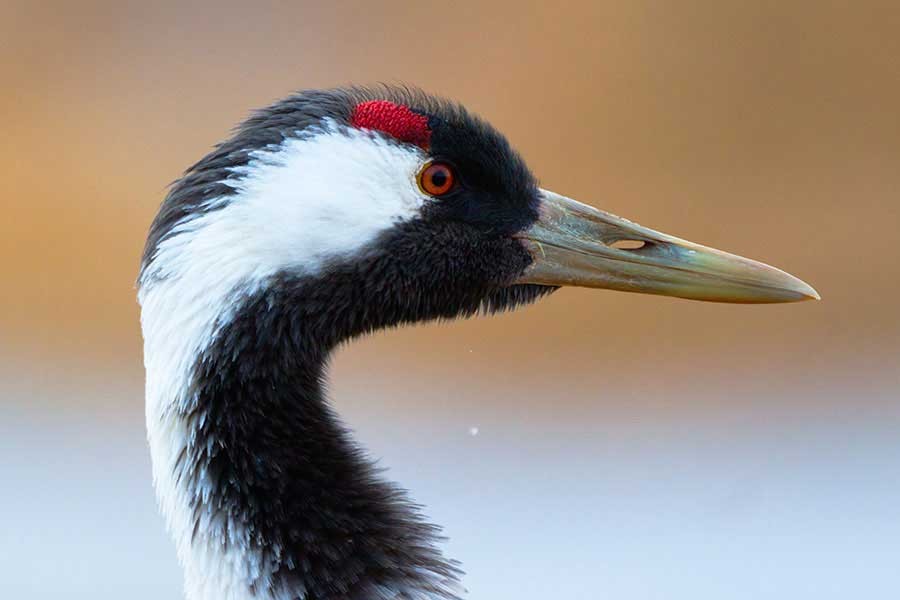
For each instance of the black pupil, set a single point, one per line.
(439, 178)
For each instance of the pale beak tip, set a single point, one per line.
(810, 293)
(803, 290)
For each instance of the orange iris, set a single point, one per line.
(436, 179)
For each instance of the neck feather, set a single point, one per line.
(263, 489)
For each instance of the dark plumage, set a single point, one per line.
(284, 464)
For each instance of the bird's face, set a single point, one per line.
(410, 204)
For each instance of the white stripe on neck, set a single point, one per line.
(315, 198)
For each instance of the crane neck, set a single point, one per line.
(266, 493)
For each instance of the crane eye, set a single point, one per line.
(437, 179)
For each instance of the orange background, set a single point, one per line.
(627, 446)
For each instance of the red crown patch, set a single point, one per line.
(396, 120)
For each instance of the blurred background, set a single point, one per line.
(596, 445)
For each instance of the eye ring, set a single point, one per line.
(437, 178)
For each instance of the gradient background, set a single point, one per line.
(628, 447)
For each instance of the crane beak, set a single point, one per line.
(575, 244)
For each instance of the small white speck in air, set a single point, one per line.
(473, 431)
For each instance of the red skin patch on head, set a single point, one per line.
(393, 119)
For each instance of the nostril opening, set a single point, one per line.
(628, 244)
